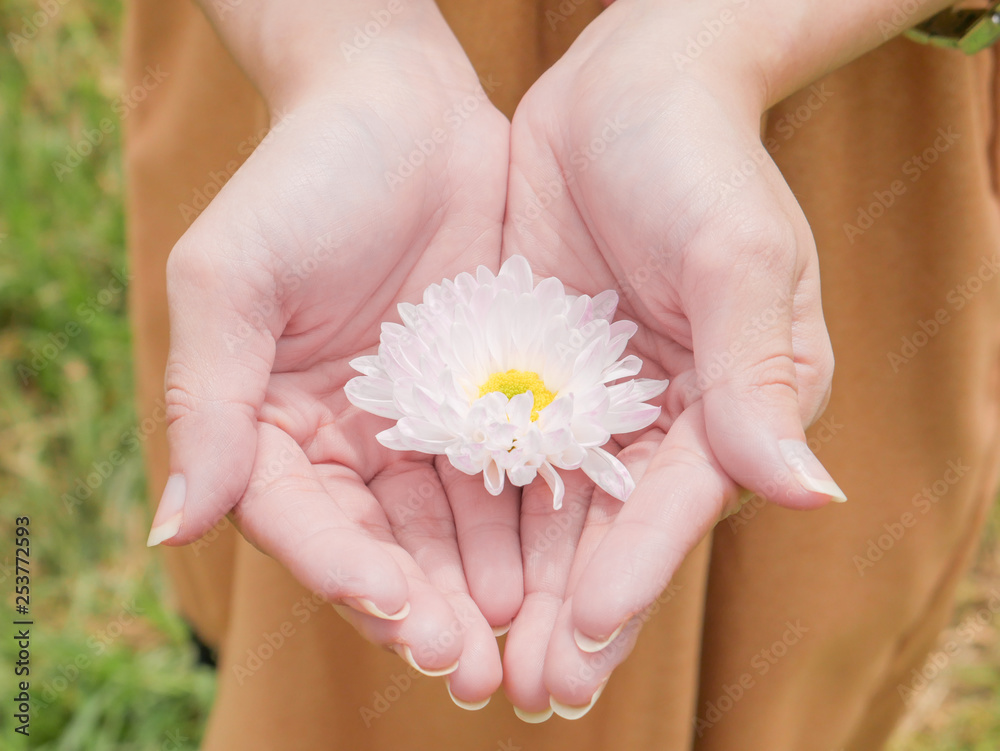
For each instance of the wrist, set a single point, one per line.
(777, 47)
(316, 49)
(709, 44)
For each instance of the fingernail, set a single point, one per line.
(403, 650)
(533, 718)
(471, 706)
(589, 645)
(499, 631)
(169, 513)
(575, 713)
(372, 609)
(808, 470)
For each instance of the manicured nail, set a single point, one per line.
(471, 706)
(403, 650)
(589, 645)
(169, 513)
(533, 718)
(808, 470)
(372, 609)
(499, 631)
(575, 713)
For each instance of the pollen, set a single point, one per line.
(515, 382)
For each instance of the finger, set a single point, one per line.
(577, 667)
(488, 534)
(813, 352)
(479, 671)
(548, 543)
(680, 494)
(576, 679)
(298, 517)
(410, 635)
(223, 327)
(748, 366)
(415, 505)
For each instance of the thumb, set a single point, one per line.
(222, 349)
(764, 364)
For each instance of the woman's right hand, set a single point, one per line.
(379, 178)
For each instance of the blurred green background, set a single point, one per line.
(98, 596)
(112, 667)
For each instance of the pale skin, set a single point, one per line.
(612, 175)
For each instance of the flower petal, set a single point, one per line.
(555, 482)
(609, 473)
(638, 417)
(605, 304)
(637, 390)
(370, 365)
(519, 408)
(373, 395)
(626, 368)
(518, 271)
(493, 478)
(522, 474)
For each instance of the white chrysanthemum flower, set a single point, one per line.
(509, 379)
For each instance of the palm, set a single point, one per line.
(316, 244)
(636, 177)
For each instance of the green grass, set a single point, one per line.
(111, 664)
(960, 710)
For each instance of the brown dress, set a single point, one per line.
(787, 631)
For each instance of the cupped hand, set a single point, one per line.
(636, 168)
(385, 179)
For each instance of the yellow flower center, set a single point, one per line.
(515, 382)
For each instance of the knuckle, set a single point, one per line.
(760, 380)
(188, 264)
(179, 399)
(767, 242)
(815, 376)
